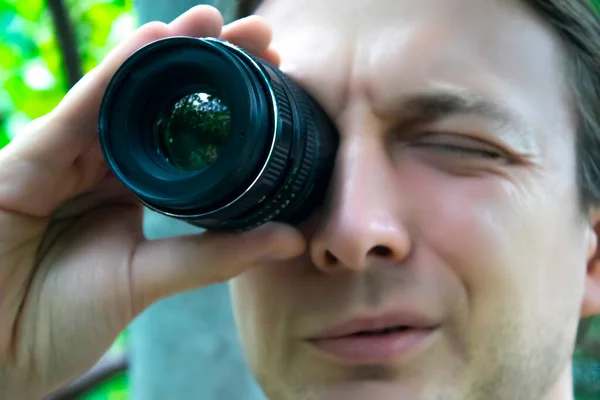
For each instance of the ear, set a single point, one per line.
(591, 297)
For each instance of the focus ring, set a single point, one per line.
(274, 170)
(310, 147)
(299, 176)
(257, 194)
(275, 165)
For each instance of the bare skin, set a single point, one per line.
(75, 268)
(466, 215)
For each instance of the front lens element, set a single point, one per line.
(193, 131)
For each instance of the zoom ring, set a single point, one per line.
(272, 174)
(256, 202)
(310, 150)
(298, 177)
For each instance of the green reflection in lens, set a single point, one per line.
(194, 130)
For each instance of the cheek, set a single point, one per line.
(260, 298)
(511, 245)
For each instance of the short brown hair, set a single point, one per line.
(578, 25)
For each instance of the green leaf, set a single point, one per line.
(9, 58)
(32, 102)
(48, 50)
(22, 44)
(102, 12)
(30, 9)
(7, 15)
(3, 137)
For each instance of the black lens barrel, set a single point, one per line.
(277, 160)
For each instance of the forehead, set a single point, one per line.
(380, 49)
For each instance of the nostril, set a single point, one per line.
(330, 258)
(381, 251)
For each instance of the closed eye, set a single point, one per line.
(453, 144)
(465, 151)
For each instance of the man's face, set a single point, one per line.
(453, 209)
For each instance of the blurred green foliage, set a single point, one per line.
(31, 65)
(34, 81)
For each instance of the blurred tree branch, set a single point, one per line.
(247, 7)
(67, 40)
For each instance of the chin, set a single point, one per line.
(363, 383)
(351, 390)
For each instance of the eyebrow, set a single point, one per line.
(423, 108)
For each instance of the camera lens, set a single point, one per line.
(193, 131)
(204, 132)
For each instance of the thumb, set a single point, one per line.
(166, 267)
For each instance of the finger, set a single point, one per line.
(198, 21)
(165, 267)
(253, 34)
(271, 56)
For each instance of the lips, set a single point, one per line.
(382, 339)
(385, 324)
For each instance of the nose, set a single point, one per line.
(362, 221)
